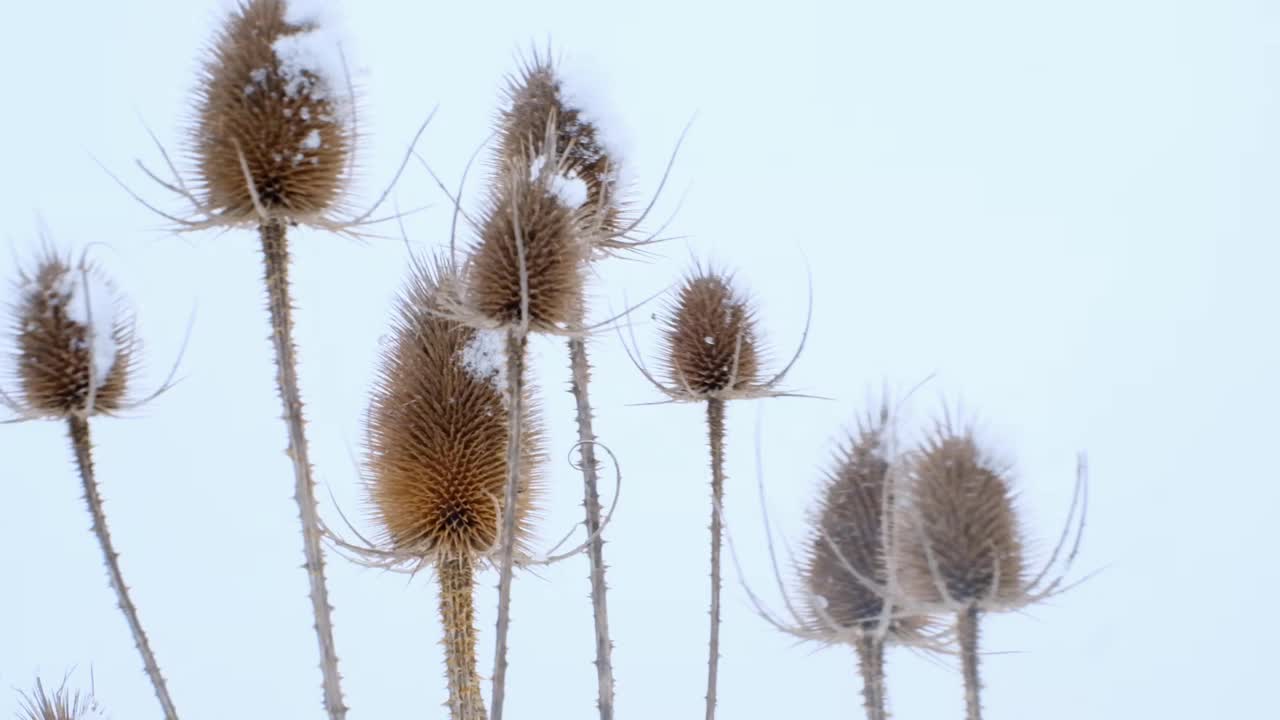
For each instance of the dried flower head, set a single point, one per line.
(529, 260)
(960, 545)
(712, 344)
(62, 704)
(850, 589)
(272, 137)
(75, 348)
(550, 113)
(438, 432)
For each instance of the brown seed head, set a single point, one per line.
(271, 106)
(524, 216)
(540, 111)
(711, 340)
(437, 432)
(62, 704)
(959, 542)
(75, 350)
(846, 568)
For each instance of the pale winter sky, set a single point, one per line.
(1064, 210)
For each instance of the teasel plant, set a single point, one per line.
(61, 704)
(436, 463)
(523, 274)
(547, 116)
(713, 353)
(77, 355)
(961, 547)
(847, 592)
(272, 146)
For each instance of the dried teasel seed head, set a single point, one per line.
(711, 342)
(959, 541)
(272, 133)
(75, 348)
(552, 113)
(846, 570)
(525, 221)
(61, 704)
(437, 432)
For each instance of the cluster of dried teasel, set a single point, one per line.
(454, 462)
(911, 546)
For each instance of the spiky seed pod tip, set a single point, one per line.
(273, 104)
(61, 704)
(559, 110)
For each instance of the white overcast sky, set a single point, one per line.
(1065, 210)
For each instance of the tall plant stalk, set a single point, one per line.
(715, 432)
(581, 369)
(82, 447)
(517, 340)
(275, 253)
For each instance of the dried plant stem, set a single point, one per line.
(81, 445)
(517, 339)
(871, 665)
(967, 635)
(581, 368)
(458, 616)
(715, 433)
(275, 252)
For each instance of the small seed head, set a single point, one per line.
(711, 340)
(846, 570)
(75, 351)
(959, 541)
(524, 217)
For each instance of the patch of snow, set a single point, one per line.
(91, 304)
(584, 88)
(311, 60)
(570, 189)
(709, 340)
(312, 140)
(485, 357)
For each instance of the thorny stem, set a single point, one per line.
(275, 252)
(83, 448)
(871, 664)
(458, 616)
(516, 342)
(715, 432)
(591, 501)
(967, 635)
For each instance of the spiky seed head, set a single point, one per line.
(540, 111)
(61, 704)
(272, 105)
(959, 543)
(846, 569)
(437, 432)
(72, 342)
(525, 216)
(711, 342)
